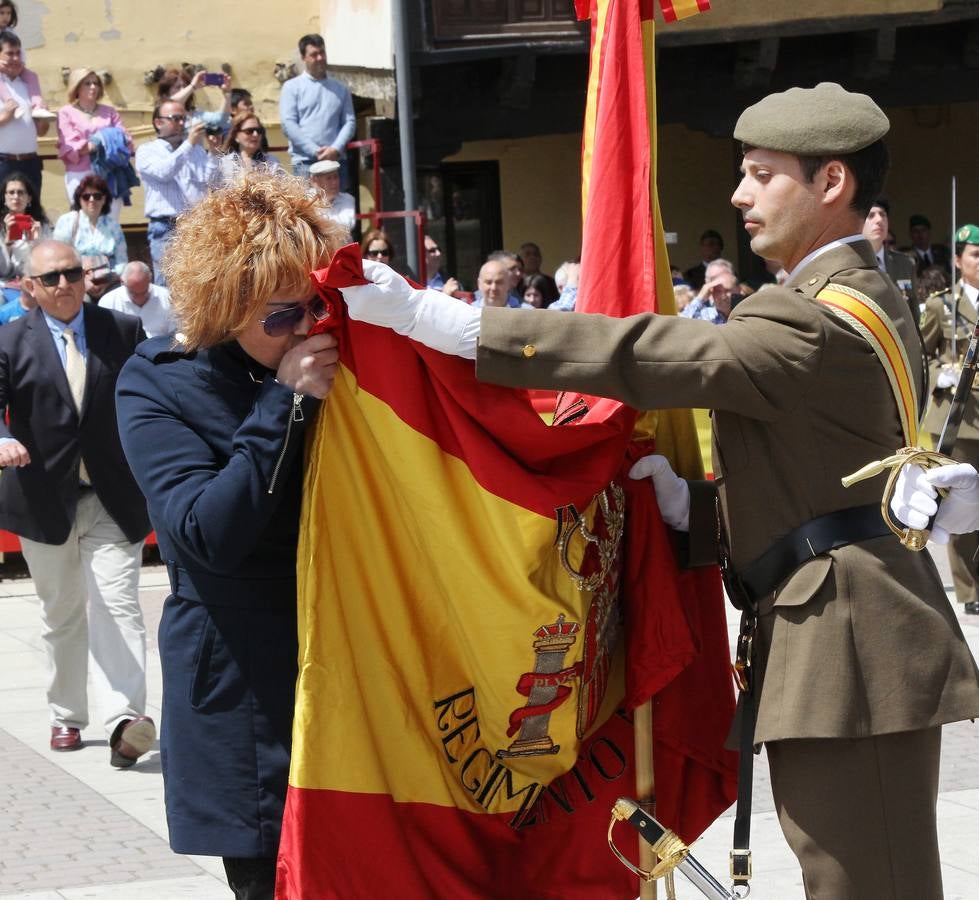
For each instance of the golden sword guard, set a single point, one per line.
(912, 538)
(670, 851)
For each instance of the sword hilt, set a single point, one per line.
(913, 538)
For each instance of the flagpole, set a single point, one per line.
(645, 788)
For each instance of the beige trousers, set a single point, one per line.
(860, 814)
(89, 593)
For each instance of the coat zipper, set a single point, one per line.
(296, 416)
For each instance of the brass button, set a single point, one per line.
(529, 351)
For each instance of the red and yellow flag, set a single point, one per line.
(460, 729)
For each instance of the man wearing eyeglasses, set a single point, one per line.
(176, 170)
(68, 493)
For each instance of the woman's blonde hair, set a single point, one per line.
(260, 234)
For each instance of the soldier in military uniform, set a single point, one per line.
(858, 657)
(947, 326)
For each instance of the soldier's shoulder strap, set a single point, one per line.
(869, 320)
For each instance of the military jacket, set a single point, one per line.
(855, 642)
(937, 329)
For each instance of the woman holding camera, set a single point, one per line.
(78, 122)
(213, 428)
(90, 227)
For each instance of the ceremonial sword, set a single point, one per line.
(671, 851)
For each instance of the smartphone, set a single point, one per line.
(20, 227)
(214, 79)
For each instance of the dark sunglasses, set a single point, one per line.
(378, 252)
(252, 131)
(174, 118)
(283, 321)
(93, 196)
(53, 279)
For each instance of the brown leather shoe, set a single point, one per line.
(64, 738)
(130, 740)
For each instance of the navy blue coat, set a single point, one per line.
(215, 444)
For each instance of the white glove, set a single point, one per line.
(672, 492)
(429, 317)
(946, 378)
(915, 499)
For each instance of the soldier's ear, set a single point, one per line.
(837, 181)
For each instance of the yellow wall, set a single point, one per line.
(128, 37)
(540, 182)
(540, 191)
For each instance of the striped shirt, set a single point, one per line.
(174, 180)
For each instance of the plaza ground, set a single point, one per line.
(72, 827)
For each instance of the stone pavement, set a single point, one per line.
(71, 827)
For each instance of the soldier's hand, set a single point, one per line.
(915, 499)
(14, 453)
(672, 492)
(311, 366)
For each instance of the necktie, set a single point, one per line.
(75, 370)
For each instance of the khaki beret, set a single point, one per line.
(818, 121)
(324, 167)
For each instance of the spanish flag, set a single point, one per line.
(461, 727)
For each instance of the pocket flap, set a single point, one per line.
(801, 586)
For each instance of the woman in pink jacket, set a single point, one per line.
(78, 121)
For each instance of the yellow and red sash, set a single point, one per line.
(870, 321)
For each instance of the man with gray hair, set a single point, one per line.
(138, 296)
(67, 492)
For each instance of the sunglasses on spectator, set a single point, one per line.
(175, 118)
(53, 279)
(379, 252)
(252, 131)
(284, 320)
(94, 195)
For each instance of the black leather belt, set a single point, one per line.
(17, 157)
(812, 538)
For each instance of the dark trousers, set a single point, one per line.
(29, 167)
(859, 813)
(251, 879)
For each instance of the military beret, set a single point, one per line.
(324, 167)
(818, 121)
(967, 234)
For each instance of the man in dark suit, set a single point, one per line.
(922, 251)
(711, 248)
(68, 493)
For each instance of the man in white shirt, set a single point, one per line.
(20, 102)
(138, 296)
(325, 176)
(176, 171)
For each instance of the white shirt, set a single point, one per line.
(19, 134)
(342, 211)
(972, 293)
(157, 316)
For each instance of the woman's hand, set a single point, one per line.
(197, 82)
(311, 366)
(35, 230)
